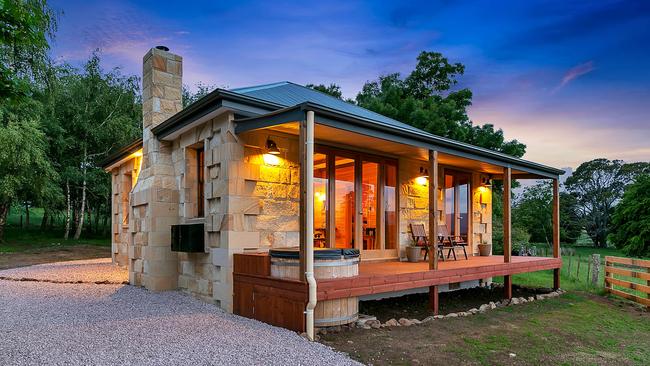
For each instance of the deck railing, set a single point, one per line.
(636, 279)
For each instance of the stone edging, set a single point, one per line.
(371, 322)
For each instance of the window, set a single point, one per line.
(200, 175)
(355, 201)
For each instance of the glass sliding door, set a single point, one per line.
(344, 202)
(321, 209)
(457, 203)
(369, 204)
(355, 202)
(390, 206)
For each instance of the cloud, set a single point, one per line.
(574, 73)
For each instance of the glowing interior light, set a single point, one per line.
(421, 180)
(270, 159)
(320, 196)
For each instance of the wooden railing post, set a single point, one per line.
(507, 229)
(556, 230)
(433, 209)
(433, 226)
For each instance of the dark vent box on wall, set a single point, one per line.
(188, 238)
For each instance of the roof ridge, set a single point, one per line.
(246, 89)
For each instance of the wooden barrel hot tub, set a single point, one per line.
(328, 264)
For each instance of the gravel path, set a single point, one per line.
(81, 271)
(109, 324)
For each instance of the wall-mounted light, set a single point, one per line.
(271, 159)
(423, 178)
(272, 147)
(486, 181)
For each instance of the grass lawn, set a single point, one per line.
(28, 246)
(578, 328)
(22, 239)
(576, 272)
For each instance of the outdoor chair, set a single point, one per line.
(419, 235)
(451, 242)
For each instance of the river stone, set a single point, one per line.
(451, 315)
(428, 319)
(514, 301)
(392, 323)
(405, 322)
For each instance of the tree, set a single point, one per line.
(533, 211)
(571, 223)
(188, 97)
(25, 172)
(90, 113)
(25, 28)
(630, 228)
(425, 99)
(24, 168)
(597, 185)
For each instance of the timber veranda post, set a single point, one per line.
(556, 230)
(433, 225)
(507, 228)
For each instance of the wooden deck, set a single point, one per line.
(282, 302)
(382, 277)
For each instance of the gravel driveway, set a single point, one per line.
(108, 324)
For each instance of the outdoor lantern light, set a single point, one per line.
(423, 177)
(486, 181)
(272, 147)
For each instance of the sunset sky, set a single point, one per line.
(569, 79)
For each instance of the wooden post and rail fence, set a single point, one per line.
(631, 269)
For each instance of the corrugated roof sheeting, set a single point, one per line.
(290, 94)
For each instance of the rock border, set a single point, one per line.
(371, 322)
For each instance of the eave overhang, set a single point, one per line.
(121, 154)
(344, 121)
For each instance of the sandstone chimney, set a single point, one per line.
(155, 197)
(162, 73)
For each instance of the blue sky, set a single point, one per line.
(571, 79)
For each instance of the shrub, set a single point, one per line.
(631, 219)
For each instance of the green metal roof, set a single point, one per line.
(289, 94)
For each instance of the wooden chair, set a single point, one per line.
(451, 242)
(419, 235)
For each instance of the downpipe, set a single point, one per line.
(309, 226)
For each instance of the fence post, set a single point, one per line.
(569, 268)
(596, 270)
(578, 270)
(588, 269)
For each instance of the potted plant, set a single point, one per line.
(413, 252)
(484, 249)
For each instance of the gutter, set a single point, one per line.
(309, 226)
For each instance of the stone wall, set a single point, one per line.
(482, 213)
(414, 206)
(123, 177)
(250, 203)
(413, 200)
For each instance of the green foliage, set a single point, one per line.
(188, 97)
(597, 185)
(631, 219)
(24, 167)
(424, 99)
(533, 211)
(25, 27)
(332, 89)
(89, 114)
